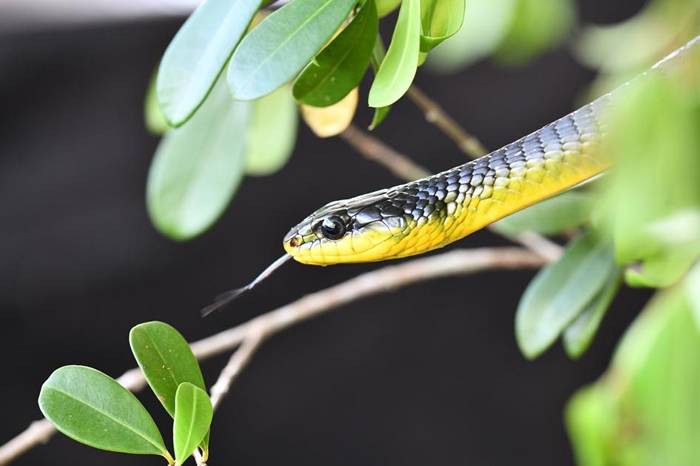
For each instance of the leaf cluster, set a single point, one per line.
(94, 409)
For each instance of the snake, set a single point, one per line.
(429, 213)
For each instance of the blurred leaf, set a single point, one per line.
(537, 26)
(193, 414)
(660, 271)
(198, 53)
(563, 212)
(655, 118)
(398, 68)
(692, 289)
(591, 425)
(92, 408)
(339, 67)
(380, 113)
(331, 121)
(645, 411)
(198, 167)
(272, 133)
(485, 24)
(579, 334)
(560, 292)
(440, 20)
(282, 44)
(384, 7)
(154, 118)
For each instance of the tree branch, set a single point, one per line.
(434, 114)
(455, 262)
(374, 149)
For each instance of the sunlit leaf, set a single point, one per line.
(384, 7)
(331, 121)
(560, 292)
(339, 67)
(656, 118)
(195, 57)
(398, 68)
(92, 408)
(485, 24)
(154, 118)
(193, 414)
(272, 133)
(591, 425)
(440, 20)
(198, 167)
(561, 213)
(282, 44)
(537, 25)
(579, 334)
(692, 289)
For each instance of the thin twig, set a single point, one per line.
(375, 150)
(239, 359)
(434, 114)
(455, 262)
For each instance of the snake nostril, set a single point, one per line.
(294, 242)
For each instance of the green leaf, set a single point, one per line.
(485, 24)
(198, 53)
(384, 7)
(579, 334)
(440, 20)
(272, 133)
(660, 271)
(166, 360)
(398, 68)
(378, 54)
(282, 44)
(560, 292)
(92, 408)
(692, 289)
(339, 67)
(564, 212)
(154, 118)
(198, 167)
(591, 426)
(193, 414)
(537, 25)
(655, 117)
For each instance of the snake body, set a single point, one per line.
(429, 213)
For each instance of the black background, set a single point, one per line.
(429, 374)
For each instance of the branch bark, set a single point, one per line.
(387, 278)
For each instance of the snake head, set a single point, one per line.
(362, 229)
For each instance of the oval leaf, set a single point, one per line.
(579, 335)
(339, 68)
(165, 359)
(398, 68)
(560, 292)
(282, 44)
(272, 133)
(92, 408)
(561, 213)
(198, 53)
(440, 20)
(331, 121)
(198, 167)
(193, 414)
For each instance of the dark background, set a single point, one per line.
(429, 374)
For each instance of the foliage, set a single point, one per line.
(94, 409)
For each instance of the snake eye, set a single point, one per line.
(332, 227)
